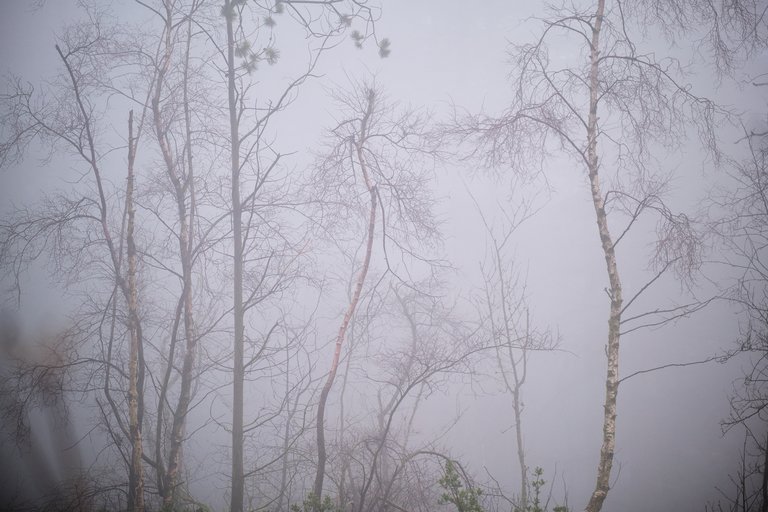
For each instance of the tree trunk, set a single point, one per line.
(238, 374)
(128, 289)
(518, 408)
(518, 375)
(764, 486)
(182, 186)
(612, 350)
(136, 478)
(321, 453)
(286, 439)
(519, 380)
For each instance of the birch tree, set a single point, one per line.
(69, 224)
(96, 50)
(377, 150)
(252, 161)
(610, 114)
(172, 130)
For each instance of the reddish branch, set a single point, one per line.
(321, 452)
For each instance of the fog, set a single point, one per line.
(394, 206)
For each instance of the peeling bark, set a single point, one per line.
(615, 291)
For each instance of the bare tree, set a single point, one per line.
(748, 491)
(376, 150)
(507, 318)
(135, 384)
(252, 159)
(744, 232)
(611, 115)
(166, 81)
(174, 44)
(71, 121)
(90, 57)
(357, 144)
(437, 347)
(741, 226)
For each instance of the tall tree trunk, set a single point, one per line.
(517, 406)
(612, 350)
(321, 452)
(136, 478)
(186, 217)
(343, 499)
(183, 186)
(518, 377)
(286, 438)
(128, 289)
(514, 386)
(764, 486)
(238, 374)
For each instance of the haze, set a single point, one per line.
(359, 255)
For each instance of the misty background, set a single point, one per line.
(447, 59)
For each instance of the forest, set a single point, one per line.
(369, 256)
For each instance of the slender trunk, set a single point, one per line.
(612, 350)
(321, 453)
(286, 437)
(128, 289)
(238, 376)
(743, 475)
(162, 402)
(764, 488)
(518, 408)
(166, 473)
(342, 428)
(136, 491)
(374, 473)
(182, 407)
(519, 379)
(385, 419)
(183, 186)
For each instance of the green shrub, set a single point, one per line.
(464, 499)
(311, 502)
(537, 485)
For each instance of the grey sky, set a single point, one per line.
(670, 454)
